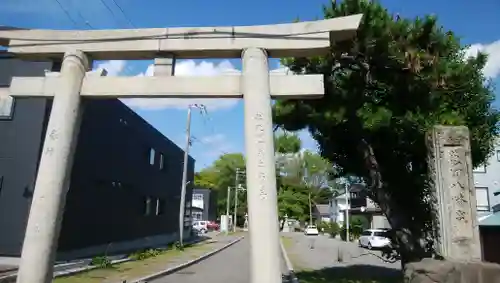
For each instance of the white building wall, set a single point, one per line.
(487, 181)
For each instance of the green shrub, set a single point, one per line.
(101, 262)
(144, 254)
(333, 229)
(323, 226)
(356, 227)
(355, 230)
(343, 233)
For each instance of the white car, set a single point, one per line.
(200, 226)
(311, 230)
(374, 238)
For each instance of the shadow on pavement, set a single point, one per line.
(351, 274)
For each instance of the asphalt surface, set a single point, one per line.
(228, 266)
(322, 253)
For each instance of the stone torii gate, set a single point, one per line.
(254, 44)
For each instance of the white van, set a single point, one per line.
(200, 226)
(374, 238)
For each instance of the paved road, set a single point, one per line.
(229, 266)
(322, 253)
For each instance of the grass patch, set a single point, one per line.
(287, 242)
(294, 258)
(138, 268)
(351, 274)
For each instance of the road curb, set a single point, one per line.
(183, 265)
(289, 265)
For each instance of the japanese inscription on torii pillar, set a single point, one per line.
(451, 170)
(254, 44)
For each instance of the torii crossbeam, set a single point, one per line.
(254, 44)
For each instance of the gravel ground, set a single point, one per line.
(228, 266)
(318, 256)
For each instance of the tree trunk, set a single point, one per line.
(407, 235)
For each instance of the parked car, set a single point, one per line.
(200, 226)
(212, 225)
(375, 238)
(311, 230)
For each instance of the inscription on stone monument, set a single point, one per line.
(451, 171)
(261, 153)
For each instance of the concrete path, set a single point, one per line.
(229, 266)
(322, 256)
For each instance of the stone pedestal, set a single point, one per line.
(224, 223)
(437, 271)
(457, 233)
(286, 226)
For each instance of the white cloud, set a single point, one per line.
(282, 70)
(492, 68)
(188, 68)
(215, 145)
(114, 67)
(183, 68)
(308, 143)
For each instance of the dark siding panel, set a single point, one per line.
(112, 177)
(19, 150)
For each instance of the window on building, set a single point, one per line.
(482, 199)
(158, 204)
(6, 107)
(498, 155)
(197, 215)
(161, 205)
(197, 196)
(123, 121)
(147, 206)
(480, 169)
(161, 161)
(152, 154)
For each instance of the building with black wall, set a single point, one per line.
(125, 183)
(204, 204)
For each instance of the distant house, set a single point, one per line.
(358, 205)
(322, 212)
(204, 204)
(487, 182)
(487, 185)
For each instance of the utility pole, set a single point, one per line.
(346, 220)
(227, 209)
(184, 172)
(310, 211)
(236, 197)
(184, 178)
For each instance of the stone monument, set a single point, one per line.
(457, 232)
(245, 225)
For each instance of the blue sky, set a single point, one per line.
(222, 129)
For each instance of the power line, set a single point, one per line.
(124, 15)
(67, 14)
(110, 11)
(87, 23)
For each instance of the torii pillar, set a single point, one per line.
(265, 261)
(52, 182)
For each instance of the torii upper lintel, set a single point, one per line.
(281, 40)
